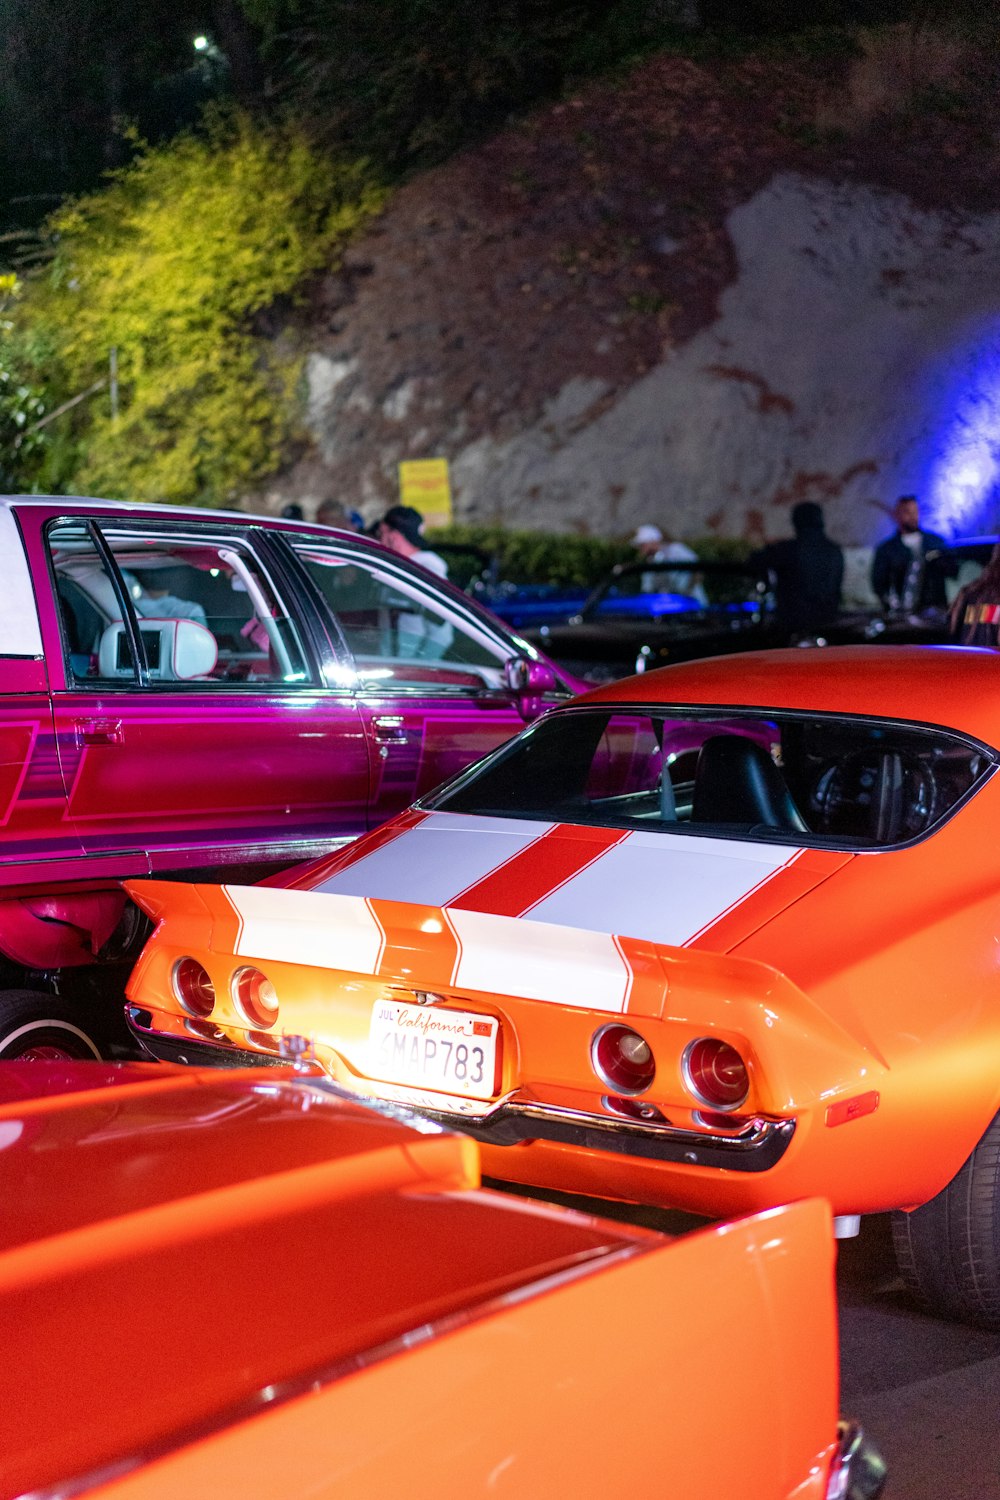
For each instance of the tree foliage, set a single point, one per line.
(22, 404)
(169, 266)
(406, 81)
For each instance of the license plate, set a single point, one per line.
(451, 1050)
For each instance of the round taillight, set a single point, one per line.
(715, 1073)
(255, 998)
(623, 1059)
(193, 988)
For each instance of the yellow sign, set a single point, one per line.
(424, 484)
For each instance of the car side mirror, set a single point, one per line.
(528, 680)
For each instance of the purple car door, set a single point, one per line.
(430, 671)
(36, 836)
(194, 723)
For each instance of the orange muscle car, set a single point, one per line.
(669, 948)
(242, 1284)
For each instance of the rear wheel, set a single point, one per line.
(36, 1027)
(948, 1251)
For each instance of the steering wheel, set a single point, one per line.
(887, 796)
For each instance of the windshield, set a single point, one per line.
(795, 778)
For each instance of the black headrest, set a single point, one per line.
(736, 781)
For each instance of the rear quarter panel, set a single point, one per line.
(902, 949)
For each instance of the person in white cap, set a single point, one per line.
(651, 543)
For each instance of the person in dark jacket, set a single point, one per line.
(910, 567)
(807, 571)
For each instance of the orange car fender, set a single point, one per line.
(617, 1383)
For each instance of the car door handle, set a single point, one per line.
(389, 729)
(100, 732)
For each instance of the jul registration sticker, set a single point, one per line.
(430, 1048)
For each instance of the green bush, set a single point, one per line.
(567, 560)
(170, 265)
(542, 557)
(23, 443)
(722, 548)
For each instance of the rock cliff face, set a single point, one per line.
(671, 301)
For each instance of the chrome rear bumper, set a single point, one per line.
(755, 1147)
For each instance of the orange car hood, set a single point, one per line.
(186, 1239)
(680, 890)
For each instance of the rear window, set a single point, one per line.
(792, 778)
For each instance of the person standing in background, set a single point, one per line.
(422, 633)
(401, 529)
(330, 512)
(652, 545)
(807, 573)
(909, 568)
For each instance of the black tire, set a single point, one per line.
(37, 1026)
(948, 1251)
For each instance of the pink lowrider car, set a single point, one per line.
(212, 693)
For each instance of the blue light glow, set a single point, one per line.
(961, 492)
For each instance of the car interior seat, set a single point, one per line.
(737, 782)
(176, 651)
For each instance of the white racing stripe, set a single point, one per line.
(432, 863)
(663, 887)
(539, 961)
(306, 928)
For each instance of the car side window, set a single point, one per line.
(402, 633)
(203, 606)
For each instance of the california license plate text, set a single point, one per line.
(451, 1050)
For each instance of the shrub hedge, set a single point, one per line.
(565, 559)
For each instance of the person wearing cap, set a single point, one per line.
(401, 529)
(651, 544)
(426, 634)
(806, 571)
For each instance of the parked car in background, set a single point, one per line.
(240, 1283)
(647, 615)
(519, 605)
(196, 691)
(643, 617)
(668, 949)
(526, 606)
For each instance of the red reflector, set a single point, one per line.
(852, 1109)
